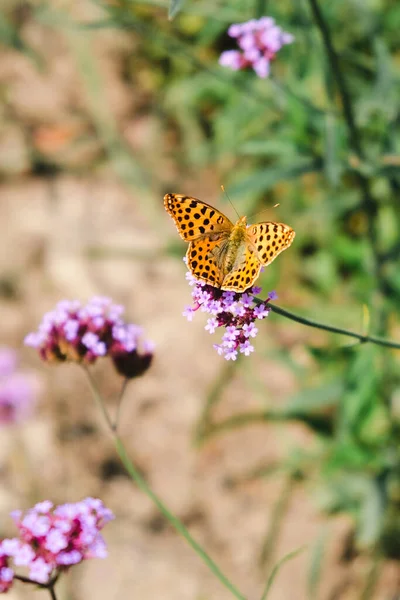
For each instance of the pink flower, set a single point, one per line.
(52, 539)
(84, 333)
(232, 310)
(259, 41)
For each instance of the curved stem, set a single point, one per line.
(44, 586)
(145, 488)
(98, 398)
(52, 593)
(311, 323)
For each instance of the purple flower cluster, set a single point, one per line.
(259, 41)
(84, 333)
(17, 389)
(52, 539)
(235, 311)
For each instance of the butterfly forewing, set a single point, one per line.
(269, 239)
(194, 218)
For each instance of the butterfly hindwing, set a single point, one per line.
(269, 239)
(244, 272)
(194, 218)
(204, 257)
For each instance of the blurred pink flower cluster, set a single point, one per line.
(18, 390)
(259, 41)
(84, 333)
(52, 539)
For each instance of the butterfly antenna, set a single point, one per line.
(262, 211)
(230, 201)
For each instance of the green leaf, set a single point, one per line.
(273, 147)
(265, 179)
(174, 7)
(371, 515)
(276, 569)
(317, 557)
(316, 399)
(333, 164)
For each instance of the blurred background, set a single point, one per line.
(104, 108)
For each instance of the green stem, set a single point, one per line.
(120, 398)
(358, 336)
(260, 8)
(98, 399)
(145, 488)
(369, 203)
(340, 81)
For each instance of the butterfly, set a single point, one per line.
(222, 254)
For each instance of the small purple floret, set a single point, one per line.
(259, 41)
(235, 312)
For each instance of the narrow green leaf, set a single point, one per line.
(174, 7)
(333, 166)
(267, 178)
(276, 569)
(272, 147)
(317, 558)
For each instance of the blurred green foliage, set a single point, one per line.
(286, 139)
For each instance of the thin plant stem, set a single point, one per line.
(276, 568)
(260, 8)
(52, 593)
(338, 75)
(98, 398)
(213, 397)
(120, 399)
(145, 488)
(44, 586)
(369, 203)
(311, 323)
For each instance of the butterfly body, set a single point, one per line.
(220, 253)
(236, 240)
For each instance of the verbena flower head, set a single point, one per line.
(18, 390)
(52, 539)
(83, 333)
(234, 311)
(259, 41)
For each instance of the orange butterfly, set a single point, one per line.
(222, 254)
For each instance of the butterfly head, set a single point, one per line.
(241, 223)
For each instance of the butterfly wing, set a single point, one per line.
(205, 257)
(195, 219)
(263, 243)
(245, 270)
(269, 239)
